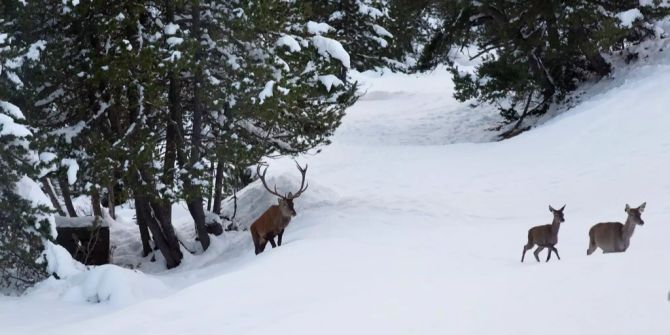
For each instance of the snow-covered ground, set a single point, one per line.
(414, 224)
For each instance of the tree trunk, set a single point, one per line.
(67, 197)
(194, 197)
(95, 202)
(172, 256)
(142, 223)
(46, 185)
(111, 201)
(218, 187)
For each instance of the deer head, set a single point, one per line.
(558, 213)
(635, 214)
(285, 201)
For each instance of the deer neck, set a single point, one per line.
(628, 228)
(555, 225)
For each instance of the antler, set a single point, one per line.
(262, 178)
(303, 187)
(302, 183)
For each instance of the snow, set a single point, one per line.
(318, 28)
(329, 81)
(30, 190)
(35, 49)
(8, 127)
(171, 28)
(60, 262)
(329, 47)
(72, 169)
(289, 42)
(12, 110)
(79, 222)
(174, 41)
(414, 224)
(628, 17)
(267, 91)
(379, 30)
(662, 3)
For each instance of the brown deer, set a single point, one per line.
(273, 222)
(615, 236)
(545, 236)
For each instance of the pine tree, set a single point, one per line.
(532, 53)
(24, 227)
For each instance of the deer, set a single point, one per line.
(615, 236)
(276, 218)
(545, 236)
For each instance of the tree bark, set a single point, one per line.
(111, 201)
(142, 223)
(194, 194)
(218, 187)
(67, 196)
(46, 185)
(172, 257)
(95, 202)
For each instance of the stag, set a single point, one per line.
(276, 218)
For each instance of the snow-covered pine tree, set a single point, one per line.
(24, 227)
(533, 52)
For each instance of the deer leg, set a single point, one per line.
(549, 254)
(592, 246)
(279, 236)
(525, 248)
(271, 239)
(537, 252)
(556, 252)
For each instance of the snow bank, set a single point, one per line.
(60, 262)
(107, 284)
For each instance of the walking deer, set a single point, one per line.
(615, 236)
(275, 219)
(545, 236)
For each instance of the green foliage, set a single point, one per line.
(538, 49)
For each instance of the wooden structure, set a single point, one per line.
(86, 238)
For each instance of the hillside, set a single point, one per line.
(414, 223)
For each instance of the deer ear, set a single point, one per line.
(562, 208)
(551, 209)
(290, 195)
(641, 208)
(627, 208)
(279, 200)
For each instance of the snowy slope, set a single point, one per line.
(409, 229)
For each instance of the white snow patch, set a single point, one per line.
(329, 47)
(174, 41)
(329, 81)
(379, 30)
(72, 169)
(267, 91)
(12, 110)
(628, 17)
(9, 127)
(290, 42)
(171, 28)
(321, 28)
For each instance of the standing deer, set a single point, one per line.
(615, 236)
(545, 236)
(273, 222)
